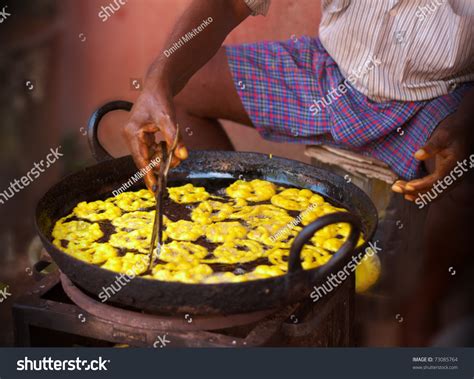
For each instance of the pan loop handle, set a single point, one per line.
(294, 263)
(98, 151)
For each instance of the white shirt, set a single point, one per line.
(423, 48)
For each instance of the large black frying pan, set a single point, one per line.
(226, 298)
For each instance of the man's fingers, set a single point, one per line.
(142, 162)
(141, 141)
(410, 197)
(150, 181)
(142, 158)
(440, 140)
(175, 161)
(425, 183)
(410, 190)
(181, 152)
(167, 127)
(398, 186)
(140, 137)
(169, 130)
(150, 128)
(427, 151)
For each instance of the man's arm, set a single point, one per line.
(173, 73)
(154, 110)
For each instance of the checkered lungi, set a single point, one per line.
(279, 82)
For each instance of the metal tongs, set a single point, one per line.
(160, 196)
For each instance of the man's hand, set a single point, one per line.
(152, 112)
(154, 109)
(451, 142)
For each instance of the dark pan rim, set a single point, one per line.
(313, 173)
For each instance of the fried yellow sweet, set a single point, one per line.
(344, 230)
(225, 231)
(239, 203)
(333, 244)
(179, 252)
(274, 234)
(186, 272)
(255, 215)
(313, 212)
(324, 234)
(326, 237)
(255, 190)
(236, 251)
(211, 211)
(183, 230)
(66, 246)
(260, 272)
(224, 277)
(134, 201)
(81, 251)
(97, 210)
(278, 258)
(101, 252)
(251, 225)
(313, 257)
(265, 271)
(134, 240)
(130, 264)
(76, 231)
(135, 220)
(91, 252)
(295, 199)
(188, 194)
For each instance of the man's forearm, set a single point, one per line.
(173, 72)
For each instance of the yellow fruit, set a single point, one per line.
(367, 272)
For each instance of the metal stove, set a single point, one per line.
(54, 312)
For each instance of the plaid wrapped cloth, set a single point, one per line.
(279, 83)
